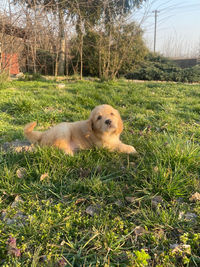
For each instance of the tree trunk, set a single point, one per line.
(81, 56)
(61, 59)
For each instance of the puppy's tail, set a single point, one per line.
(32, 136)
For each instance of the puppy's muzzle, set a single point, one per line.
(108, 122)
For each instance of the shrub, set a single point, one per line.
(156, 67)
(191, 74)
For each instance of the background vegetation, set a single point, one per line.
(156, 67)
(83, 38)
(58, 36)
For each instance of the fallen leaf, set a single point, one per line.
(12, 249)
(156, 169)
(92, 210)
(12, 242)
(21, 173)
(139, 230)
(80, 200)
(130, 199)
(133, 164)
(159, 233)
(44, 176)
(195, 197)
(16, 202)
(62, 263)
(14, 252)
(18, 198)
(180, 248)
(62, 243)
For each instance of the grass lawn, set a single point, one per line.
(100, 208)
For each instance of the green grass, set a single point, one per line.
(161, 120)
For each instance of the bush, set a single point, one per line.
(156, 67)
(191, 74)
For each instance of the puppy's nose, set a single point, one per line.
(108, 122)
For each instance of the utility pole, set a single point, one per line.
(155, 29)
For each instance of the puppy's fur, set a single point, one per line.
(102, 129)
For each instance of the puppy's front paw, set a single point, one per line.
(131, 150)
(126, 149)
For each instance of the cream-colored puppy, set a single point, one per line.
(102, 129)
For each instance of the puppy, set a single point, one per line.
(102, 129)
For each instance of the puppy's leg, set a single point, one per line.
(123, 148)
(64, 145)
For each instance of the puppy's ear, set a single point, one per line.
(90, 125)
(90, 122)
(120, 125)
(89, 128)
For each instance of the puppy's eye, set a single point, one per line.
(112, 114)
(99, 117)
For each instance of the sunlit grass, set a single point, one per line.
(161, 120)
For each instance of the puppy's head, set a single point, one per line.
(106, 119)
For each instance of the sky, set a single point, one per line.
(178, 26)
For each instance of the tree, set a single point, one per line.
(108, 58)
(94, 12)
(58, 6)
(85, 14)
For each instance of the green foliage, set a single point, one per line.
(158, 68)
(51, 226)
(109, 55)
(91, 54)
(139, 258)
(191, 74)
